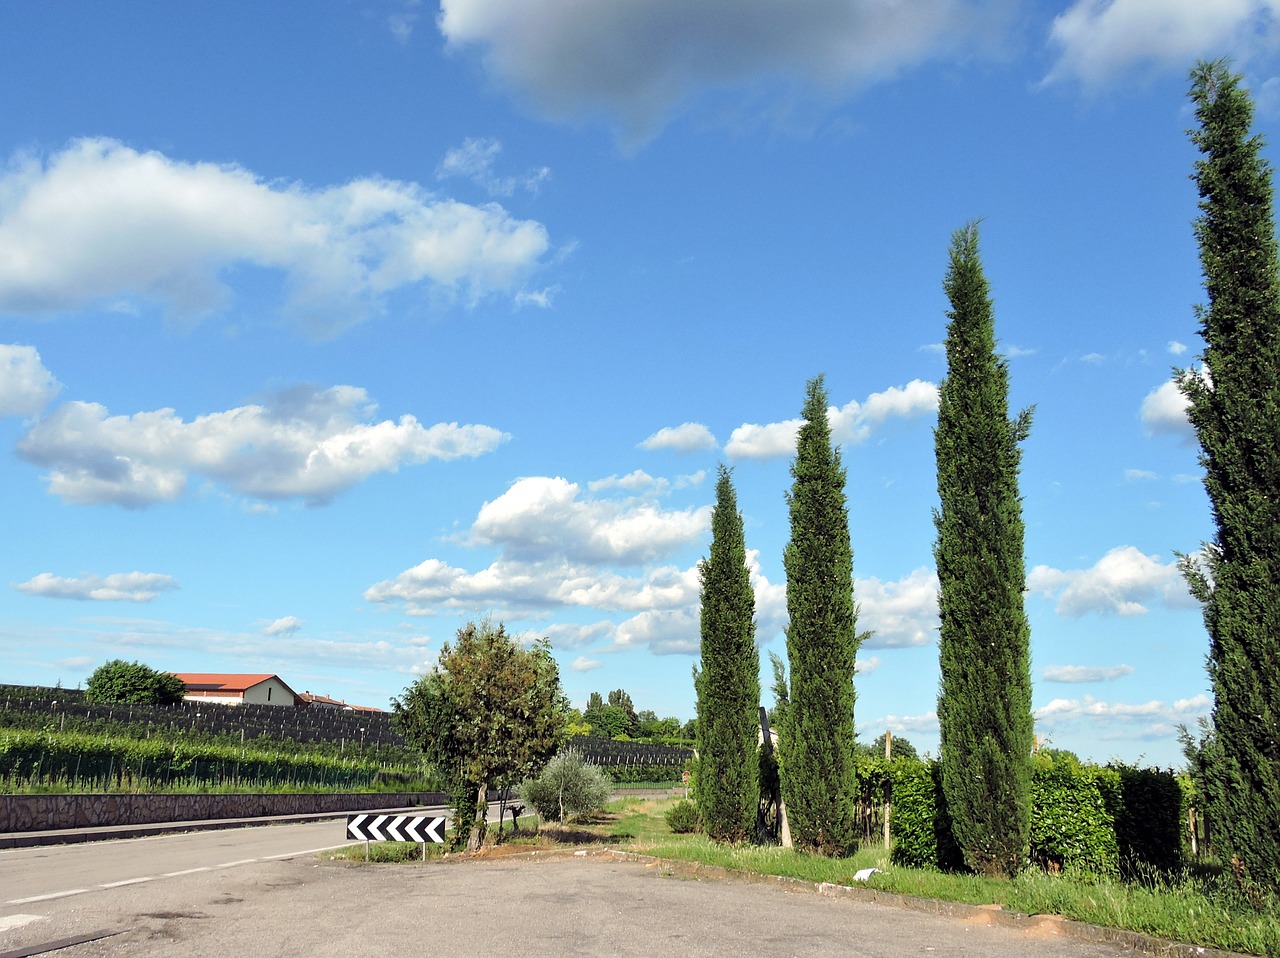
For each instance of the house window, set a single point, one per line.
(268, 693)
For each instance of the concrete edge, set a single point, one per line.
(991, 914)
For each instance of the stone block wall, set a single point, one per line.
(33, 813)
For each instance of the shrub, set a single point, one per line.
(921, 829)
(569, 787)
(1073, 818)
(133, 683)
(682, 817)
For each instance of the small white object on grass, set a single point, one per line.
(865, 873)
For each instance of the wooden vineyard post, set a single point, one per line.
(888, 806)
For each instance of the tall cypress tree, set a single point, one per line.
(818, 776)
(984, 706)
(1235, 409)
(728, 684)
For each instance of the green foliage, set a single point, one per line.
(899, 747)
(80, 762)
(682, 818)
(920, 825)
(1073, 823)
(817, 765)
(1107, 822)
(1235, 409)
(984, 705)
(728, 684)
(490, 711)
(134, 683)
(609, 721)
(568, 788)
(1149, 820)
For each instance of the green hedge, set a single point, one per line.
(1107, 821)
(1073, 818)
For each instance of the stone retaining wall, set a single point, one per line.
(34, 813)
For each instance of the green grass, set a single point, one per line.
(1185, 908)
(386, 852)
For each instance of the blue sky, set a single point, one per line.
(326, 327)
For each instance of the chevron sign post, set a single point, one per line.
(369, 827)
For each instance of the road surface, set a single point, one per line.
(535, 906)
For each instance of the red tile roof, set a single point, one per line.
(223, 682)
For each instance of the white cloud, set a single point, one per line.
(1085, 673)
(687, 437)
(304, 443)
(1016, 352)
(1164, 412)
(540, 298)
(899, 613)
(475, 161)
(662, 632)
(1140, 475)
(635, 61)
(288, 625)
(26, 387)
(546, 516)
(1155, 719)
(637, 481)
(852, 423)
(403, 20)
(866, 666)
(584, 664)
(1093, 359)
(1176, 348)
(900, 724)
(117, 587)
(1101, 39)
(100, 221)
(520, 586)
(1118, 583)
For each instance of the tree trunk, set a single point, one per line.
(476, 839)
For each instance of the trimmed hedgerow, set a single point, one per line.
(1105, 821)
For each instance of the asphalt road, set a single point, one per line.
(58, 871)
(536, 906)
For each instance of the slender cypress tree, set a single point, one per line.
(1235, 409)
(728, 684)
(984, 707)
(818, 776)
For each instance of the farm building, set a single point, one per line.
(318, 701)
(236, 689)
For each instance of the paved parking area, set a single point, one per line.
(534, 906)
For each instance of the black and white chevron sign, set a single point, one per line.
(369, 827)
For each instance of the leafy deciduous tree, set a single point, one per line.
(1235, 409)
(728, 684)
(984, 705)
(817, 769)
(490, 712)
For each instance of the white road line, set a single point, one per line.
(309, 851)
(186, 871)
(128, 881)
(49, 897)
(17, 921)
(243, 861)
